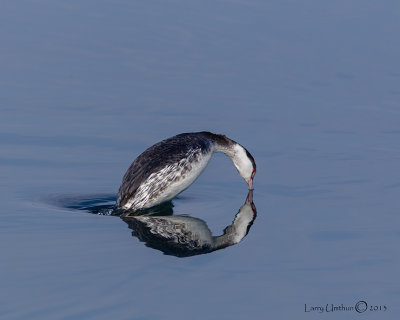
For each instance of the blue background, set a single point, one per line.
(311, 88)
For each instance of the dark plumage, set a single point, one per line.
(184, 236)
(158, 171)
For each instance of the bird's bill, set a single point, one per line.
(250, 183)
(249, 198)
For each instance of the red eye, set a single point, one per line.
(253, 173)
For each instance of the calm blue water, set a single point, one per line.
(311, 88)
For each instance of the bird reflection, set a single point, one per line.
(184, 236)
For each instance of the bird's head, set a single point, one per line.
(245, 164)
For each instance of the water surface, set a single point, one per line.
(310, 88)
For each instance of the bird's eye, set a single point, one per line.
(253, 173)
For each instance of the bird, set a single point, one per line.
(170, 166)
(183, 236)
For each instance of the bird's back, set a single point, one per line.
(161, 156)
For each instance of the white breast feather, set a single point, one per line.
(166, 183)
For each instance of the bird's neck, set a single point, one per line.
(224, 145)
(232, 149)
(239, 228)
(228, 150)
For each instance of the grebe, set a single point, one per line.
(170, 166)
(184, 236)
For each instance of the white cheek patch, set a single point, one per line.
(242, 162)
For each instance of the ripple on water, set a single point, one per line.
(160, 229)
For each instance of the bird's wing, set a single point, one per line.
(155, 158)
